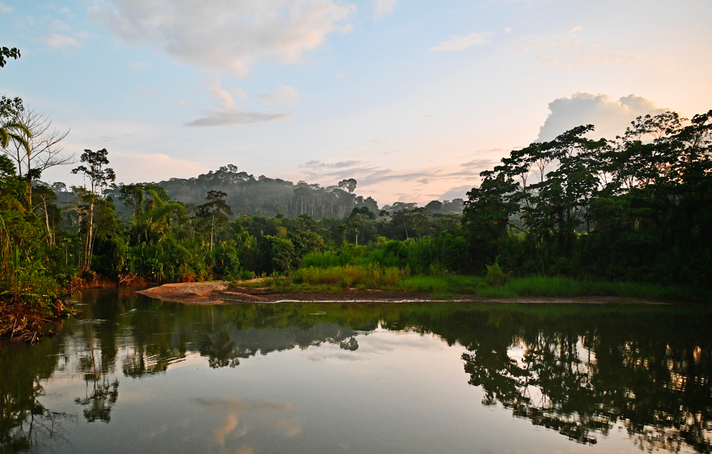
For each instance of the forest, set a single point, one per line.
(634, 208)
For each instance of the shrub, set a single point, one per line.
(495, 275)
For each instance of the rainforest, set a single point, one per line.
(626, 215)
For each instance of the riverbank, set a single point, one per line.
(260, 291)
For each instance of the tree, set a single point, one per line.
(487, 212)
(39, 146)
(11, 130)
(99, 178)
(8, 106)
(6, 53)
(348, 184)
(216, 211)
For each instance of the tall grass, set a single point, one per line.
(370, 276)
(453, 286)
(388, 265)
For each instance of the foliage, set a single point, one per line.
(495, 275)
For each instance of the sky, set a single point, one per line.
(412, 98)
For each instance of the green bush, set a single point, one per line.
(495, 275)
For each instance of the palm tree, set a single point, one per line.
(15, 131)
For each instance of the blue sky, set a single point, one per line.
(411, 98)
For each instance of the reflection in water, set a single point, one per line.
(581, 376)
(581, 371)
(24, 421)
(234, 409)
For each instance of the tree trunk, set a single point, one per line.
(50, 236)
(90, 238)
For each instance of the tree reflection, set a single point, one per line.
(584, 377)
(24, 421)
(101, 393)
(99, 400)
(219, 349)
(581, 371)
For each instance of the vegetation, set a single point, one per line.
(552, 218)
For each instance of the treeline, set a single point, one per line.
(269, 197)
(167, 240)
(634, 208)
(263, 196)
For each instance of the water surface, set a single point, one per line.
(143, 376)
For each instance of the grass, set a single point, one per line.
(336, 278)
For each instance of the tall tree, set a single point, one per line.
(216, 211)
(12, 130)
(100, 178)
(40, 146)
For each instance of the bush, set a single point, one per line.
(495, 275)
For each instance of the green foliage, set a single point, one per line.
(369, 276)
(495, 276)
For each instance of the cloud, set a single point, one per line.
(226, 114)
(464, 42)
(314, 164)
(479, 164)
(5, 9)
(57, 41)
(458, 192)
(239, 93)
(610, 118)
(222, 97)
(225, 35)
(382, 8)
(235, 117)
(60, 26)
(573, 49)
(282, 96)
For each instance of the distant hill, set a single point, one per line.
(269, 197)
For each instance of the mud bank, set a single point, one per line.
(219, 293)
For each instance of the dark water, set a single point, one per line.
(142, 376)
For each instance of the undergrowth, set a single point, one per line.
(450, 286)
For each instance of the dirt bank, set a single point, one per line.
(218, 293)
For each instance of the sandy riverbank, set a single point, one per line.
(218, 293)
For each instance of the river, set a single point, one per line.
(138, 375)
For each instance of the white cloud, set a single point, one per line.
(5, 9)
(610, 118)
(226, 35)
(382, 8)
(239, 93)
(282, 96)
(464, 42)
(235, 117)
(573, 49)
(57, 41)
(227, 114)
(220, 95)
